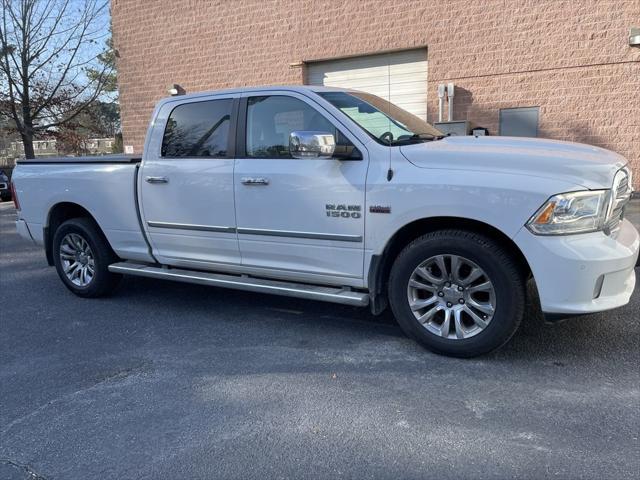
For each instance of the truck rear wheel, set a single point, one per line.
(82, 256)
(456, 292)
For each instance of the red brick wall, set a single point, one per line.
(571, 57)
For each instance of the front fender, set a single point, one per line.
(503, 201)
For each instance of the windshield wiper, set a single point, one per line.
(428, 136)
(417, 137)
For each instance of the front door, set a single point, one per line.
(302, 216)
(186, 185)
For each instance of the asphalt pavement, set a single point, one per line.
(174, 381)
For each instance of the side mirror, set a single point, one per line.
(309, 144)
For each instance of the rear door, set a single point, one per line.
(186, 183)
(302, 216)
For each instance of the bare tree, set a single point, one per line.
(50, 68)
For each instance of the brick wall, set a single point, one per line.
(571, 58)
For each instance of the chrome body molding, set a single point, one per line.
(294, 234)
(188, 226)
(258, 231)
(340, 295)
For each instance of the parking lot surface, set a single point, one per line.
(175, 381)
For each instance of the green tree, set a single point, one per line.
(107, 114)
(107, 60)
(49, 69)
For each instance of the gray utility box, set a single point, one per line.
(462, 127)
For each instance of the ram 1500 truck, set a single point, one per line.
(338, 195)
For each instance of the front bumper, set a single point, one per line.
(583, 273)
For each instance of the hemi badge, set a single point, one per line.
(379, 209)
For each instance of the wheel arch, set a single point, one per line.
(380, 265)
(58, 214)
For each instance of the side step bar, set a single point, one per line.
(260, 285)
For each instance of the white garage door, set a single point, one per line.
(400, 77)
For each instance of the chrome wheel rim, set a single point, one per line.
(451, 297)
(76, 257)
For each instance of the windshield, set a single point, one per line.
(385, 122)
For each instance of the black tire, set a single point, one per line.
(103, 282)
(499, 267)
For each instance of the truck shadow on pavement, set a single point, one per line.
(535, 339)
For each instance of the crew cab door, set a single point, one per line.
(297, 215)
(186, 183)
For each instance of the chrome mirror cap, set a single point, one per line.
(310, 144)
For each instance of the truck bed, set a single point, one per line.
(105, 186)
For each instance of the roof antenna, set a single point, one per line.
(390, 170)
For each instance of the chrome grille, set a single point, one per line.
(621, 194)
(622, 187)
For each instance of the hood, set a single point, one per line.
(585, 165)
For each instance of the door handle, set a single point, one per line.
(157, 180)
(254, 181)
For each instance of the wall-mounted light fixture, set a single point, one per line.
(634, 37)
(296, 64)
(175, 89)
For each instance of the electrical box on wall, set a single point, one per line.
(480, 132)
(519, 122)
(634, 37)
(460, 127)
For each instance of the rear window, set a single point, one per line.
(199, 129)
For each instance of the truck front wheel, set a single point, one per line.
(456, 292)
(82, 256)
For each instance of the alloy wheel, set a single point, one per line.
(78, 263)
(451, 297)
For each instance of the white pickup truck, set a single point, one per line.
(340, 196)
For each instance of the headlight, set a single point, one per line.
(575, 212)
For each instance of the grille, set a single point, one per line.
(621, 191)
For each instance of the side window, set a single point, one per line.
(199, 129)
(270, 120)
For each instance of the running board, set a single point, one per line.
(260, 285)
